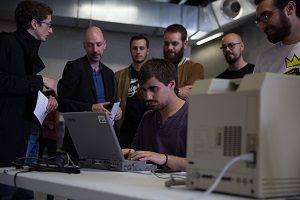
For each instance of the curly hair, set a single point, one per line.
(28, 10)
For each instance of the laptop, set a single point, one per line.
(97, 145)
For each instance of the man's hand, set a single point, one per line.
(184, 92)
(100, 107)
(118, 114)
(127, 152)
(50, 84)
(157, 158)
(52, 104)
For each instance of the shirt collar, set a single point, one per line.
(182, 61)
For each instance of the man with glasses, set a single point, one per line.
(19, 86)
(233, 47)
(280, 20)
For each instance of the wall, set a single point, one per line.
(66, 44)
(211, 57)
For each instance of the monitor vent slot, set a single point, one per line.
(232, 140)
(283, 187)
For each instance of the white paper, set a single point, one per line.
(114, 112)
(40, 107)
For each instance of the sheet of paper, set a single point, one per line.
(40, 107)
(114, 111)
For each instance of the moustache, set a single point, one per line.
(267, 29)
(228, 54)
(149, 101)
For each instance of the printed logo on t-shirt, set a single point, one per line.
(133, 88)
(292, 65)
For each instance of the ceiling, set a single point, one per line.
(202, 17)
(187, 2)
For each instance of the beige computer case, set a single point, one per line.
(259, 113)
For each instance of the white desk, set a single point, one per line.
(97, 184)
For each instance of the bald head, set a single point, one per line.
(232, 46)
(94, 44)
(92, 32)
(231, 38)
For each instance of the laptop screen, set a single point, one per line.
(93, 135)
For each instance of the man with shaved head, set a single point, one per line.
(232, 48)
(86, 84)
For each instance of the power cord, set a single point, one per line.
(174, 178)
(174, 181)
(15, 183)
(60, 162)
(246, 157)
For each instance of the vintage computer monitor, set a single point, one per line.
(227, 118)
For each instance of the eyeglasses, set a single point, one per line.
(49, 24)
(264, 17)
(230, 46)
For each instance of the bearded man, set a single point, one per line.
(232, 48)
(175, 43)
(280, 21)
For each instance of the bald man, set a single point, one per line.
(86, 84)
(232, 48)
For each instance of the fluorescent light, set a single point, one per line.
(182, 2)
(198, 35)
(210, 38)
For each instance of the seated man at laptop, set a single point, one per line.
(161, 136)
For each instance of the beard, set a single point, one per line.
(279, 32)
(156, 105)
(230, 59)
(176, 58)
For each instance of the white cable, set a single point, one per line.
(247, 157)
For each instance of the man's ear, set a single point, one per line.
(242, 46)
(185, 44)
(173, 84)
(33, 24)
(291, 7)
(148, 51)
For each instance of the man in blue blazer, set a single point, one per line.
(86, 84)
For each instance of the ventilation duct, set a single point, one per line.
(221, 15)
(134, 16)
(141, 16)
(207, 23)
(231, 8)
(229, 11)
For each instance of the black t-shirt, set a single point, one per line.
(135, 107)
(227, 74)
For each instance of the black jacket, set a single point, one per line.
(77, 92)
(19, 84)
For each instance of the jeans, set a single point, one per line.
(32, 148)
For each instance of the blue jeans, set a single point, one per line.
(32, 148)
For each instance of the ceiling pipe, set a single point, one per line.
(135, 16)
